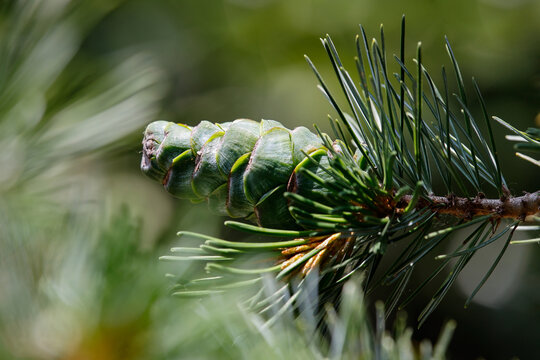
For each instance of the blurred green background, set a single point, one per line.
(81, 228)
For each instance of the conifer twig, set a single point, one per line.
(466, 208)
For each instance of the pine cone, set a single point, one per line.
(242, 168)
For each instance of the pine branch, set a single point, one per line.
(352, 199)
(466, 208)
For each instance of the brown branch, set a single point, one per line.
(466, 208)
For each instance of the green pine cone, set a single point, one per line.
(242, 168)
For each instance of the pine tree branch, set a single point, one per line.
(466, 208)
(347, 197)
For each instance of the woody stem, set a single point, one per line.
(506, 207)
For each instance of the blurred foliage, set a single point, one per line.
(78, 81)
(58, 111)
(528, 141)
